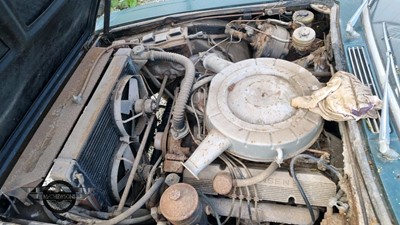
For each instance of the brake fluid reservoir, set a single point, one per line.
(303, 16)
(302, 39)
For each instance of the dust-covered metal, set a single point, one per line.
(181, 205)
(272, 41)
(362, 70)
(305, 17)
(303, 38)
(265, 88)
(267, 212)
(321, 8)
(159, 112)
(279, 187)
(268, 40)
(122, 161)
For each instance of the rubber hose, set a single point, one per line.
(258, 178)
(178, 120)
(297, 182)
(136, 220)
(202, 82)
(156, 186)
(152, 172)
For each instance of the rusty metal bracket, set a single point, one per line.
(175, 156)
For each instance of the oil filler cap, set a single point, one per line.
(180, 204)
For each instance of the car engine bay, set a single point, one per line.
(192, 123)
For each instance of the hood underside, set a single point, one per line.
(40, 41)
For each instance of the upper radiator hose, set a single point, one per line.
(179, 128)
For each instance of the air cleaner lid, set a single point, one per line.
(249, 103)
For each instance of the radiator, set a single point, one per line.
(96, 157)
(94, 139)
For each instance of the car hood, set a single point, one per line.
(40, 42)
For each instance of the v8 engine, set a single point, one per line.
(192, 122)
(207, 105)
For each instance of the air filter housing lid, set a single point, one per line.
(250, 106)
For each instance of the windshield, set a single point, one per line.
(124, 4)
(386, 11)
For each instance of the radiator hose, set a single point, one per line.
(178, 119)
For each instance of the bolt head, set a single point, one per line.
(153, 106)
(174, 195)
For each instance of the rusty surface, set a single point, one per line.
(259, 40)
(175, 157)
(231, 87)
(48, 139)
(176, 154)
(313, 56)
(172, 166)
(175, 147)
(266, 46)
(180, 204)
(334, 219)
(353, 184)
(223, 183)
(318, 57)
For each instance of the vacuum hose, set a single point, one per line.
(178, 119)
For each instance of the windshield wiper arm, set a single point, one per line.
(353, 20)
(370, 3)
(384, 133)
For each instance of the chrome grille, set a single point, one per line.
(362, 70)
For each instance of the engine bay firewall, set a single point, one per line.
(251, 108)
